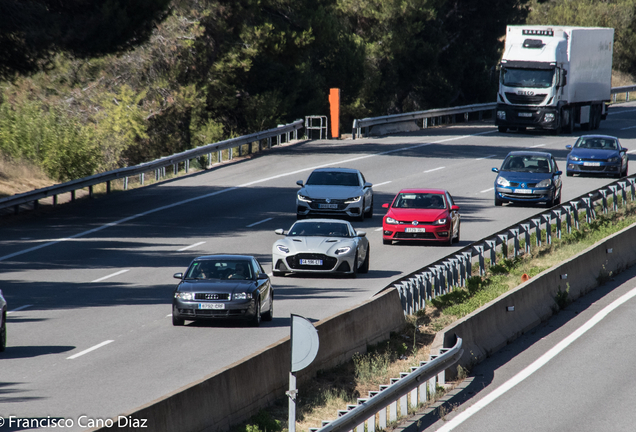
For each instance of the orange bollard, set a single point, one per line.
(525, 277)
(334, 105)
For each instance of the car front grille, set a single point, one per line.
(525, 99)
(315, 204)
(328, 263)
(406, 236)
(516, 184)
(211, 296)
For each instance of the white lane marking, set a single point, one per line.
(453, 423)
(486, 157)
(382, 184)
(538, 145)
(19, 308)
(211, 194)
(487, 190)
(379, 229)
(434, 169)
(259, 222)
(631, 127)
(86, 351)
(110, 276)
(632, 151)
(190, 247)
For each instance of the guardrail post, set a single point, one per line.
(125, 183)
(623, 188)
(515, 242)
(504, 245)
(603, 193)
(537, 230)
(141, 178)
(614, 188)
(90, 191)
(492, 246)
(429, 285)
(72, 195)
(157, 174)
(526, 232)
(107, 187)
(588, 209)
(54, 200)
(557, 214)
(402, 293)
(409, 297)
(175, 168)
(482, 264)
(632, 188)
(548, 228)
(575, 213)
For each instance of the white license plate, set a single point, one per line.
(211, 306)
(315, 262)
(523, 191)
(328, 206)
(525, 114)
(591, 164)
(414, 230)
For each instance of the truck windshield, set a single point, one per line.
(536, 78)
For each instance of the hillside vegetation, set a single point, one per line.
(146, 79)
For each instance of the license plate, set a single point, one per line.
(315, 262)
(525, 114)
(523, 191)
(415, 230)
(328, 206)
(211, 306)
(591, 164)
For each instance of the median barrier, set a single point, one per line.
(505, 318)
(233, 394)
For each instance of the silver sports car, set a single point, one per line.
(321, 246)
(335, 191)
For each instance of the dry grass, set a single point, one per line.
(18, 177)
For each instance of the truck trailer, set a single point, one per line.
(554, 77)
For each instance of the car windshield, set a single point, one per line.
(333, 178)
(420, 201)
(526, 163)
(220, 269)
(319, 229)
(597, 143)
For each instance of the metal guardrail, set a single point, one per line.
(158, 166)
(358, 124)
(419, 386)
(442, 276)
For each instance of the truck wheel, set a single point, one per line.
(502, 129)
(568, 120)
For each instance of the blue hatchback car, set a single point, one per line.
(528, 177)
(597, 154)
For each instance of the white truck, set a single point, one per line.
(553, 77)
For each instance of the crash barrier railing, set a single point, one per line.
(319, 123)
(266, 139)
(625, 89)
(444, 114)
(442, 276)
(412, 389)
(433, 114)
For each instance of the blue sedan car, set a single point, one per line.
(597, 154)
(528, 177)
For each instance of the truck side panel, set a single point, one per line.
(590, 72)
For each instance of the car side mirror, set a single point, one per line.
(495, 170)
(569, 147)
(368, 185)
(455, 207)
(299, 183)
(262, 276)
(361, 234)
(623, 150)
(558, 173)
(385, 205)
(178, 275)
(279, 231)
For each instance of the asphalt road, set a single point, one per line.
(89, 285)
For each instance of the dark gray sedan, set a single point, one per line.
(223, 286)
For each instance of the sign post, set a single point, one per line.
(304, 347)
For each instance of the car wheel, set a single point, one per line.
(177, 322)
(354, 273)
(569, 173)
(502, 129)
(369, 214)
(278, 273)
(255, 321)
(387, 242)
(626, 169)
(498, 202)
(365, 264)
(459, 227)
(557, 201)
(269, 315)
(361, 217)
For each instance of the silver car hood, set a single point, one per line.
(335, 192)
(298, 244)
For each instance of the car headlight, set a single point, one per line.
(353, 200)
(574, 158)
(342, 250)
(501, 115)
(242, 296)
(303, 198)
(184, 295)
(390, 220)
(549, 117)
(441, 221)
(613, 159)
(503, 182)
(282, 248)
(544, 183)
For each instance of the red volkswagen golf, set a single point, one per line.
(421, 214)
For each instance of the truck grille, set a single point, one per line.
(525, 99)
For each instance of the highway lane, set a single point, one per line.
(574, 372)
(113, 280)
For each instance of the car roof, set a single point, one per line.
(337, 170)
(433, 191)
(224, 256)
(324, 220)
(529, 153)
(598, 136)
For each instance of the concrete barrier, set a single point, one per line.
(231, 395)
(494, 325)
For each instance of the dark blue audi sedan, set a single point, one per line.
(528, 177)
(597, 154)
